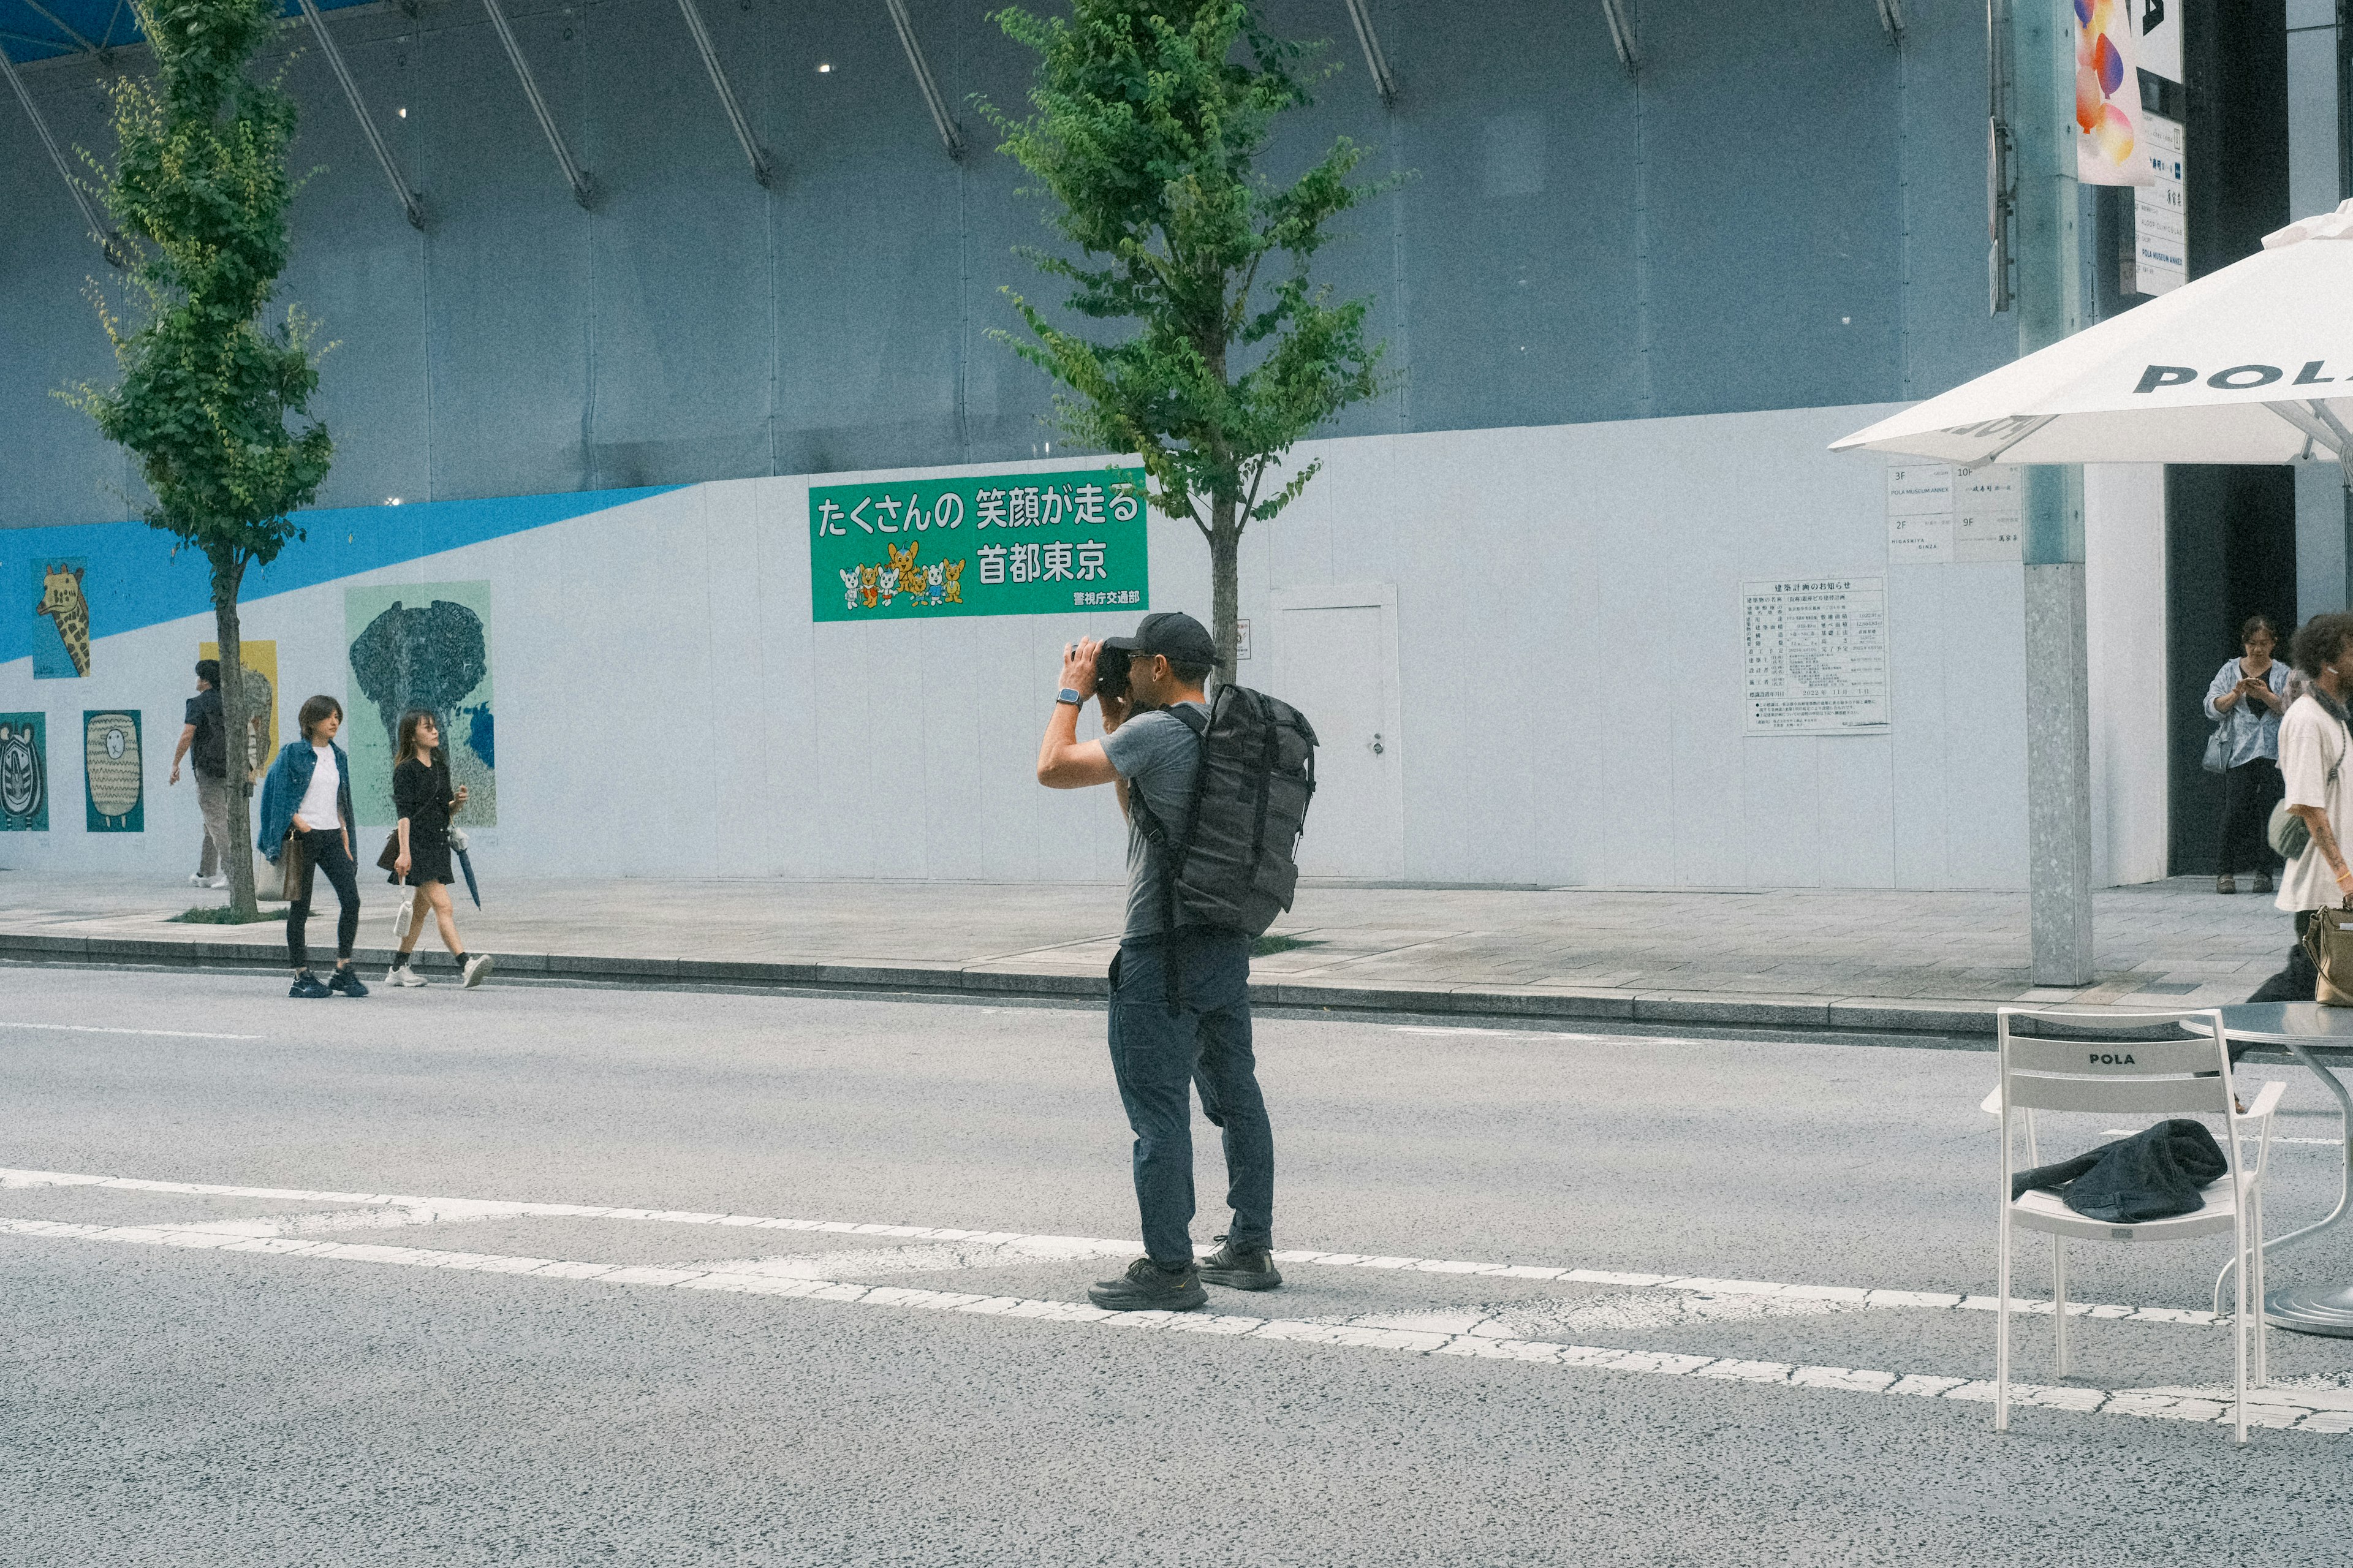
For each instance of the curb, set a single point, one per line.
(1878, 1015)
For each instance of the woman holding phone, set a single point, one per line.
(2246, 700)
(425, 799)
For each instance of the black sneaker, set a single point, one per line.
(1240, 1268)
(307, 984)
(1148, 1287)
(347, 980)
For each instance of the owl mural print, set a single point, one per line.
(114, 783)
(23, 774)
(421, 645)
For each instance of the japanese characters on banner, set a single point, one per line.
(2107, 95)
(1816, 655)
(2160, 212)
(1006, 544)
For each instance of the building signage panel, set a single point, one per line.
(994, 545)
(1936, 516)
(1919, 513)
(1816, 652)
(2160, 215)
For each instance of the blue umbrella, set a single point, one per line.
(466, 864)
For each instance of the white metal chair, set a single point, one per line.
(2077, 1061)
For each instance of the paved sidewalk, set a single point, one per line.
(1868, 960)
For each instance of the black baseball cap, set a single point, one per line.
(1172, 633)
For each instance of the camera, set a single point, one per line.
(1110, 673)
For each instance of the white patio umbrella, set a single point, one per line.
(2252, 364)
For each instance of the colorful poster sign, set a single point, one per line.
(61, 645)
(259, 657)
(995, 544)
(23, 774)
(2107, 95)
(114, 782)
(420, 644)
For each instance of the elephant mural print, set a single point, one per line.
(421, 645)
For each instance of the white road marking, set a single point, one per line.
(451, 1209)
(2277, 1408)
(95, 1029)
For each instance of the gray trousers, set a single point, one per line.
(212, 800)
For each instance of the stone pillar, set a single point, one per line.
(2050, 293)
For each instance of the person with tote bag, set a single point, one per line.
(2245, 700)
(2314, 742)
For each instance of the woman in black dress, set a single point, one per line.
(422, 795)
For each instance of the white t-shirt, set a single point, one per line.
(317, 807)
(2312, 746)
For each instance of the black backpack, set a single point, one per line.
(209, 750)
(1232, 864)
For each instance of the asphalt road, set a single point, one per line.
(345, 1366)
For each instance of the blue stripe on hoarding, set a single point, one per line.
(134, 579)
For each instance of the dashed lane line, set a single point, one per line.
(153, 1034)
(425, 1211)
(2276, 1406)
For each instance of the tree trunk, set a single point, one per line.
(1225, 585)
(228, 574)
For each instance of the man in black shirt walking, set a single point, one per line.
(206, 736)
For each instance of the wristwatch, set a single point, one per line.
(1070, 696)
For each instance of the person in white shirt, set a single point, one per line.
(2313, 740)
(306, 810)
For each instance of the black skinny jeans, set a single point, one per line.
(322, 850)
(2249, 793)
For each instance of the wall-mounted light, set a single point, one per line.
(825, 68)
(392, 500)
(401, 112)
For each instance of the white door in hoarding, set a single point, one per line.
(1336, 660)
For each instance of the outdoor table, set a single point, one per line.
(2304, 1028)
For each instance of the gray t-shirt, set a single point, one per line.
(1157, 756)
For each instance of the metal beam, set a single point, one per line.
(54, 20)
(1891, 16)
(108, 240)
(1621, 35)
(583, 187)
(763, 170)
(951, 136)
(409, 202)
(1377, 64)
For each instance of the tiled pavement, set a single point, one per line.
(1865, 959)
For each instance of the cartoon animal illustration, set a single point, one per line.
(850, 586)
(889, 585)
(954, 584)
(910, 576)
(933, 579)
(867, 576)
(62, 602)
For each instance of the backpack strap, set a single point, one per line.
(1170, 853)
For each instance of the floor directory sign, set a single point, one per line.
(1816, 656)
(991, 544)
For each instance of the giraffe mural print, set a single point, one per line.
(66, 609)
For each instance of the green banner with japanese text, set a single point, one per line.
(997, 544)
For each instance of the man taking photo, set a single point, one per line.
(1169, 1030)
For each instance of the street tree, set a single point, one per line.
(209, 382)
(1148, 119)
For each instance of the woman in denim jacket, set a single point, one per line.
(306, 812)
